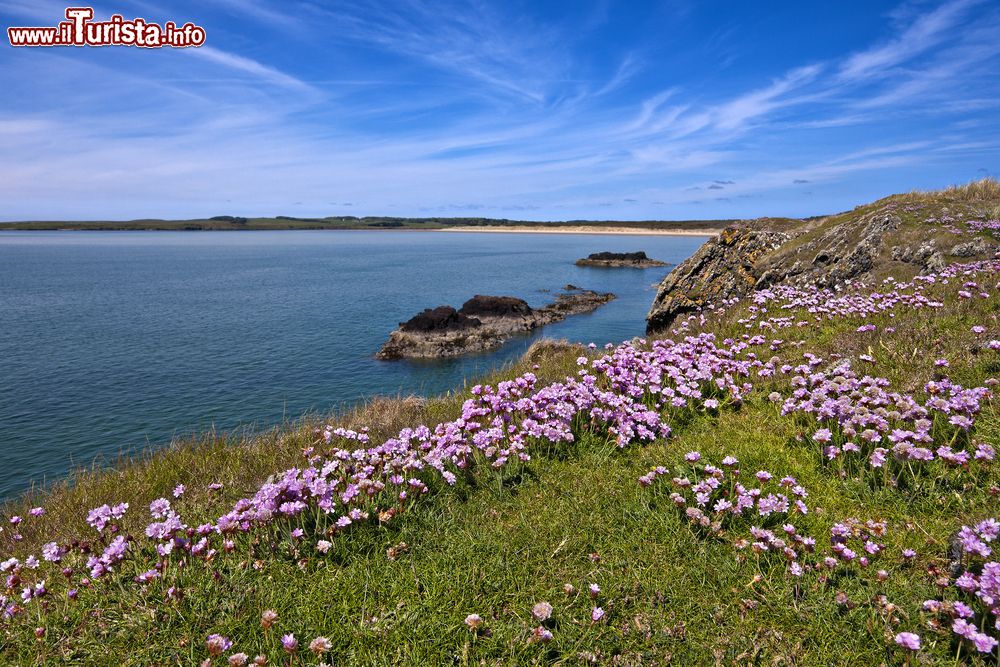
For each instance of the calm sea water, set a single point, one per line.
(116, 341)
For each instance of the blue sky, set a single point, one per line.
(531, 110)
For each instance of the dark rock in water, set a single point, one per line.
(570, 287)
(483, 323)
(620, 259)
(582, 301)
(442, 318)
(624, 256)
(495, 306)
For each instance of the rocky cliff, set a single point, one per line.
(725, 266)
(900, 235)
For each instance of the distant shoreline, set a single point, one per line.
(609, 231)
(630, 231)
(705, 228)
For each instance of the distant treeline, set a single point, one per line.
(232, 222)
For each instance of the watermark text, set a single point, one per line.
(79, 29)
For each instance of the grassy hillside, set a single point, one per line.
(235, 223)
(597, 481)
(942, 221)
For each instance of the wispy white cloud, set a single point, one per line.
(248, 66)
(954, 65)
(628, 68)
(465, 100)
(924, 33)
(734, 114)
(290, 19)
(648, 109)
(469, 39)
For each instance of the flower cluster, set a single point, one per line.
(630, 394)
(978, 587)
(854, 542)
(625, 396)
(217, 645)
(951, 224)
(714, 499)
(860, 420)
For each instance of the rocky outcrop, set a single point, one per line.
(926, 256)
(482, 323)
(496, 306)
(828, 257)
(870, 242)
(752, 255)
(442, 318)
(723, 267)
(977, 246)
(632, 260)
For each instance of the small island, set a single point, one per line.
(632, 260)
(482, 323)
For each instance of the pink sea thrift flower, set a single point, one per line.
(217, 644)
(541, 634)
(542, 611)
(908, 640)
(320, 645)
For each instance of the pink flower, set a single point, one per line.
(217, 644)
(908, 640)
(542, 611)
(320, 645)
(541, 634)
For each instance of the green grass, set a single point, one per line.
(502, 542)
(499, 542)
(500, 546)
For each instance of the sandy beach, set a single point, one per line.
(633, 231)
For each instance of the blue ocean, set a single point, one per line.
(111, 342)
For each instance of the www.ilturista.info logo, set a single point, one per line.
(81, 30)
